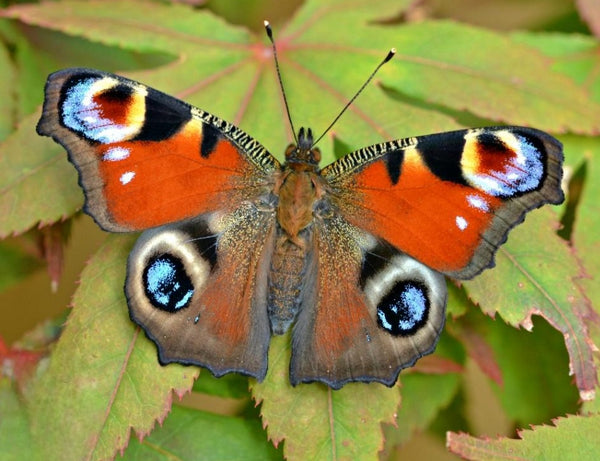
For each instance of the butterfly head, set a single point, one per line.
(303, 154)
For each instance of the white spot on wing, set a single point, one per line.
(126, 177)
(476, 201)
(115, 154)
(461, 223)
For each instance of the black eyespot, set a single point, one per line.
(404, 310)
(167, 285)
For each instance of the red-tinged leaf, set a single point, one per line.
(103, 378)
(435, 365)
(37, 185)
(449, 357)
(17, 364)
(319, 423)
(52, 241)
(534, 276)
(590, 13)
(585, 232)
(193, 434)
(478, 349)
(574, 437)
(15, 437)
(28, 356)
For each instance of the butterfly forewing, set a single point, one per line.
(449, 199)
(145, 158)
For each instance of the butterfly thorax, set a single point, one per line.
(299, 188)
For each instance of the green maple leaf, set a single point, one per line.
(15, 436)
(194, 434)
(574, 437)
(576, 56)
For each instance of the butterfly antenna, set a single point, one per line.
(389, 56)
(287, 107)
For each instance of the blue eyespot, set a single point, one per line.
(167, 285)
(404, 310)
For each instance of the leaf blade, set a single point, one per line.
(534, 276)
(222, 437)
(572, 436)
(317, 422)
(102, 372)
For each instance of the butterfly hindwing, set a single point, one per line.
(198, 288)
(449, 199)
(146, 158)
(369, 313)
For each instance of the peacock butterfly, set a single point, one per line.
(237, 246)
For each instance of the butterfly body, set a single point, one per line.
(237, 247)
(298, 192)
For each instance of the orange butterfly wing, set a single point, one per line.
(145, 158)
(397, 214)
(449, 199)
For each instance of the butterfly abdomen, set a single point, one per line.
(297, 194)
(286, 280)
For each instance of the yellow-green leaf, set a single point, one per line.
(315, 422)
(534, 276)
(193, 434)
(574, 437)
(103, 379)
